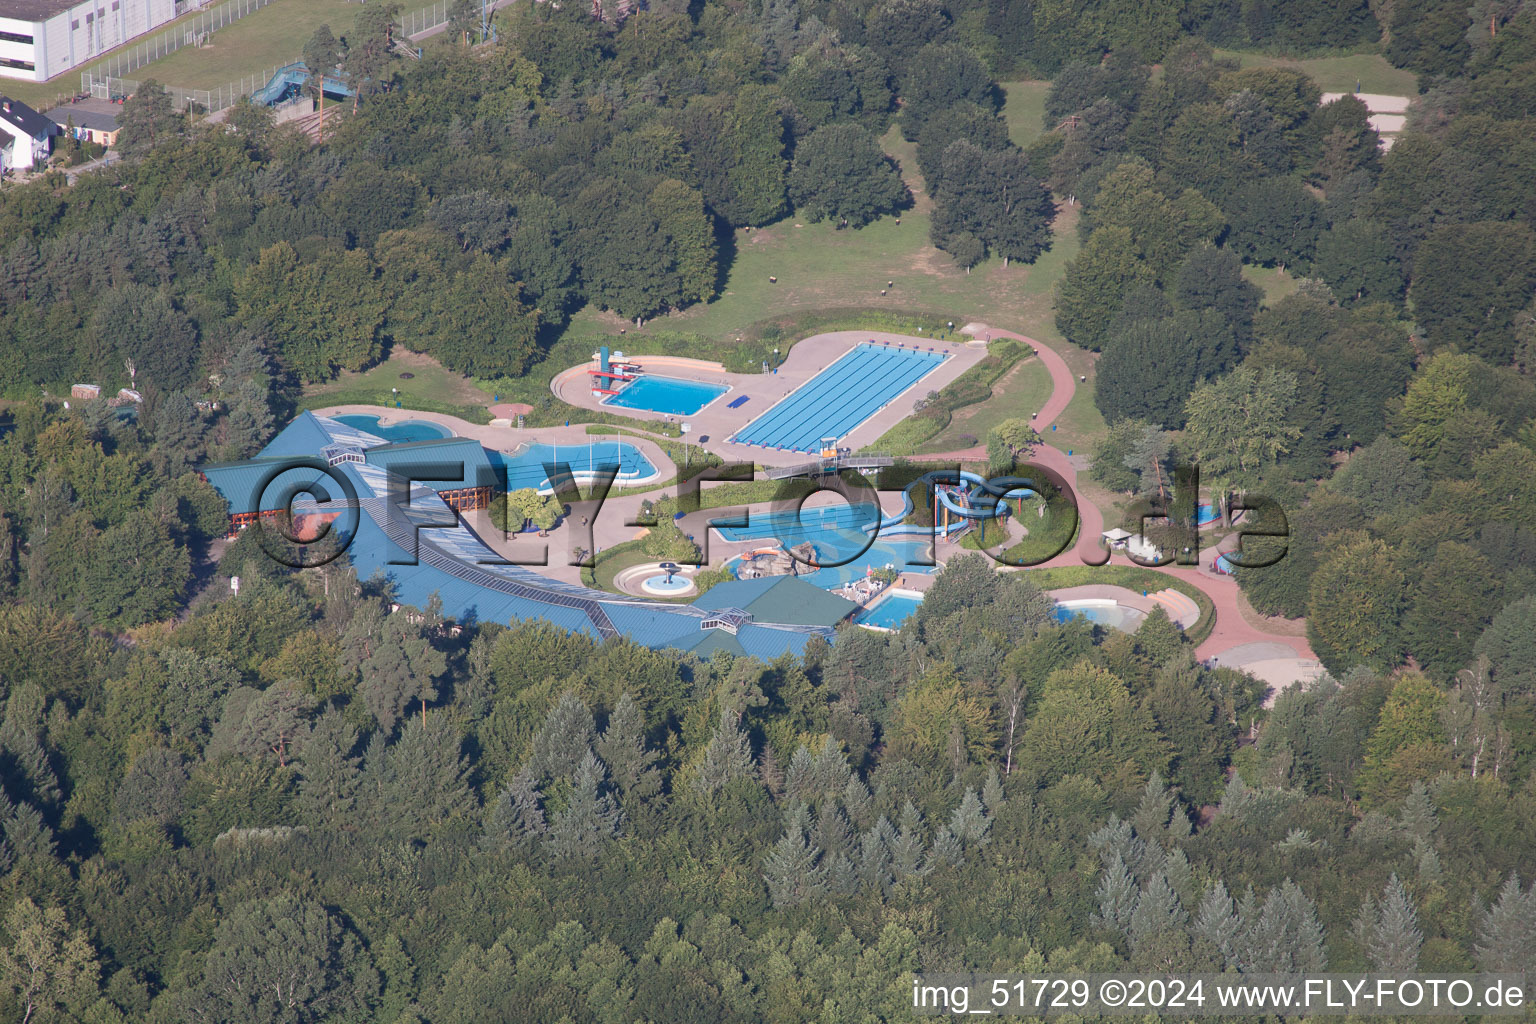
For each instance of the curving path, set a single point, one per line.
(1231, 630)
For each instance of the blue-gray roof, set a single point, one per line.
(425, 549)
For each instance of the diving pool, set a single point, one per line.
(525, 468)
(667, 395)
(864, 381)
(1101, 613)
(398, 433)
(895, 608)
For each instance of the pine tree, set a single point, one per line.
(875, 849)
(516, 818)
(590, 819)
(622, 748)
(330, 776)
(1117, 897)
(727, 758)
(947, 848)
(1157, 910)
(792, 870)
(829, 770)
(1217, 922)
(970, 823)
(1395, 940)
(425, 776)
(992, 793)
(1506, 934)
(799, 781)
(564, 740)
(769, 773)
(857, 801)
(907, 851)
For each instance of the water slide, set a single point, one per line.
(966, 514)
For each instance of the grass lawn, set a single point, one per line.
(270, 37)
(1024, 110)
(818, 267)
(430, 388)
(1339, 74)
(1021, 391)
(1275, 284)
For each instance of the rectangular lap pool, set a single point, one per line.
(890, 611)
(839, 398)
(666, 394)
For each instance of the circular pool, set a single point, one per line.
(675, 585)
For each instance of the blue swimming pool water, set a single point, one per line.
(890, 612)
(901, 555)
(840, 397)
(667, 395)
(1117, 617)
(526, 468)
(820, 524)
(1206, 514)
(399, 433)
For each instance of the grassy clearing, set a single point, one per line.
(1024, 110)
(269, 37)
(1019, 392)
(1339, 74)
(1275, 283)
(431, 388)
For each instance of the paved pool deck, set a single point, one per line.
(805, 360)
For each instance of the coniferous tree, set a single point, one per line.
(328, 788)
(516, 818)
(727, 758)
(1217, 922)
(1393, 937)
(564, 739)
(793, 870)
(1117, 897)
(1158, 911)
(591, 817)
(970, 823)
(623, 749)
(1506, 932)
(908, 850)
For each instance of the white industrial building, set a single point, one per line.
(43, 38)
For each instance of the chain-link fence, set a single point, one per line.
(417, 22)
(188, 33)
(105, 84)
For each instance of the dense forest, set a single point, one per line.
(288, 804)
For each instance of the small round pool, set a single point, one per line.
(1206, 513)
(398, 433)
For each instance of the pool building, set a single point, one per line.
(419, 542)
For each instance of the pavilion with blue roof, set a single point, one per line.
(410, 532)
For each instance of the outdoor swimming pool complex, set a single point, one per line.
(666, 395)
(396, 433)
(526, 468)
(839, 398)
